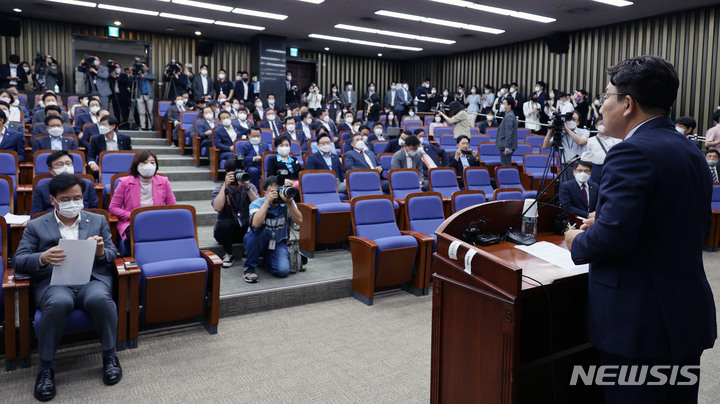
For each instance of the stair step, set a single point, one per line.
(148, 142)
(197, 174)
(141, 134)
(162, 150)
(176, 160)
(192, 190)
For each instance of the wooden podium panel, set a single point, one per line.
(491, 337)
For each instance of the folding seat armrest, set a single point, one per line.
(11, 282)
(309, 215)
(420, 237)
(364, 252)
(212, 310)
(362, 242)
(128, 289)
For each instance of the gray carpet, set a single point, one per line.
(339, 351)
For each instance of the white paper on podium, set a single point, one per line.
(78, 263)
(553, 254)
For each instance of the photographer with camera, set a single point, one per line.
(232, 201)
(47, 76)
(175, 77)
(564, 133)
(96, 79)
(268, 233)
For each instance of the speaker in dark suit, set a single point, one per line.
(649, 301)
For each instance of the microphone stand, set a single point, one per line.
(517, 237)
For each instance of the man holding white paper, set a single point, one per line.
(39, 254)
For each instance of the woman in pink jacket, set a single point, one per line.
(141, 188)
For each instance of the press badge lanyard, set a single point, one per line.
(271, 244)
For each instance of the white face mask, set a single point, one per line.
(356, 128)
(221, 76)
(411, 153)
(537, 89)
(84, 102)
(378, 131)
(203, 72)
(64, 169)
(283, 150)
(290, 127)
(288, 77)
(94, 110)
(271, 117)
(679, 129)
(255, 140)
(601, 129)
(582, 177)
(242, 116)
(401, 142)
(438, 119)
(391, 117)
(226, 122)
(228, 109)
(348, 120)
(179, 103)
(349, 87)
(221, 101)
(365, 138)
(502, 91)
(238, 78)
(445, 93)
(513, 91)
(209, 116)
(55, 131)
(712, 163)
(17, 102)
(426, 85)
(308, 121)
(597, 103)
(258, 105)
(473, 91)
(69, 209)
(572, 125)
(501, 108)
(489, 117)
(405, 86)
(96, 62)
(118, 71)
(104, 130)
(326, 118)
(360, 145)
(6, 99)
(372, 88)
(147, 170)
(27, 69)
(433, 91)
(326, 148)
(411, 113)
(236, 107)
(271, 102)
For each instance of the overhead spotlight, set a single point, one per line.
(327, 49)
(380, 54)
(198, 33)
(17, 10)
(118, 23)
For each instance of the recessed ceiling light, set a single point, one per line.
(497, 10)
(187, 18)
(127, 9)
(380, 54)
(616, 3)
(361, 42)
(117, 22)
(327, 49)
(395, 34)
(437, 21)
(209, 6)
(75, 3)
(241, 26)
(313, 1)
(261, 14)
(198, 33)
(17, 10)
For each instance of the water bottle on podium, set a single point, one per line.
(529, 219)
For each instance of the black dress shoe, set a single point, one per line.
(45, 385)
(112, 372)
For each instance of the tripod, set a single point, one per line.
(131, 124)
(557, 153)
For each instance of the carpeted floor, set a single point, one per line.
(339, 351)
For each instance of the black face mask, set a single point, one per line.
(245, 79)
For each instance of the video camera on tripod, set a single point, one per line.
(173, 67)
(558, 127)
(137, 67)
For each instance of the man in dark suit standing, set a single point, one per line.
(506, 138)
(649, 301)
(579, 195)
(423, 96)
(36, 257)
(243, 89)
(203, 84)
(109, 139)
(11, 74)
(10, 139)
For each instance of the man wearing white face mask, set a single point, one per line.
(597, 148)
(55, 140)
(423, 96)
(360, 157)
(349, 97)
(259, 114)
(223, 87)
(410, 157)
(293, 134)
(326, 159)
(306, 125)
(377, 133)
(203, 84)
(324, 120)
(579, 195)
(225, 136)
(36, 257)
(272, 123)
(91, 117)
(403, 100)
(110, 140)
(252, 152)
(58, 163)
(390, 95)
(574, 139)
(11, 74)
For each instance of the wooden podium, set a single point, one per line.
(491, 327)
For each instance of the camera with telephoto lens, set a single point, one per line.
(240, 176)
(138, 67)
(558, 126)
(87, 64)
(174, 67)
(40, 59)
(287, 191)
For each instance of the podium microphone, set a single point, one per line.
(517, 237)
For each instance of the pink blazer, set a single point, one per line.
(127, 197)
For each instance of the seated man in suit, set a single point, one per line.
(252, 152)
(272, 123)
(37, 255)
(173, 113)
(60, 162)
(52, 110)
(488, 122)
(110, 139)
(206, 125)
(293, 134)
(347, 123)
(48, 99)
(93, 115)
(325, 120)
(408, 157)
(91, 130)
(365, 133)
(579, 195)
(224, 137)
(55, 139)
(432, 155)
(397, 144)
(463, 157)
(326, 159)
(260, 111)
(305, 125)
(377, 133)
(11, 140)
(362, 158)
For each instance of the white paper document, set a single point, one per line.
(16, 219)
(78, 263)
(553, 254)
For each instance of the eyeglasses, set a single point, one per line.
(324, 143)
(583, 170)
(59, 164)
(604, 96)
(67, 199)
